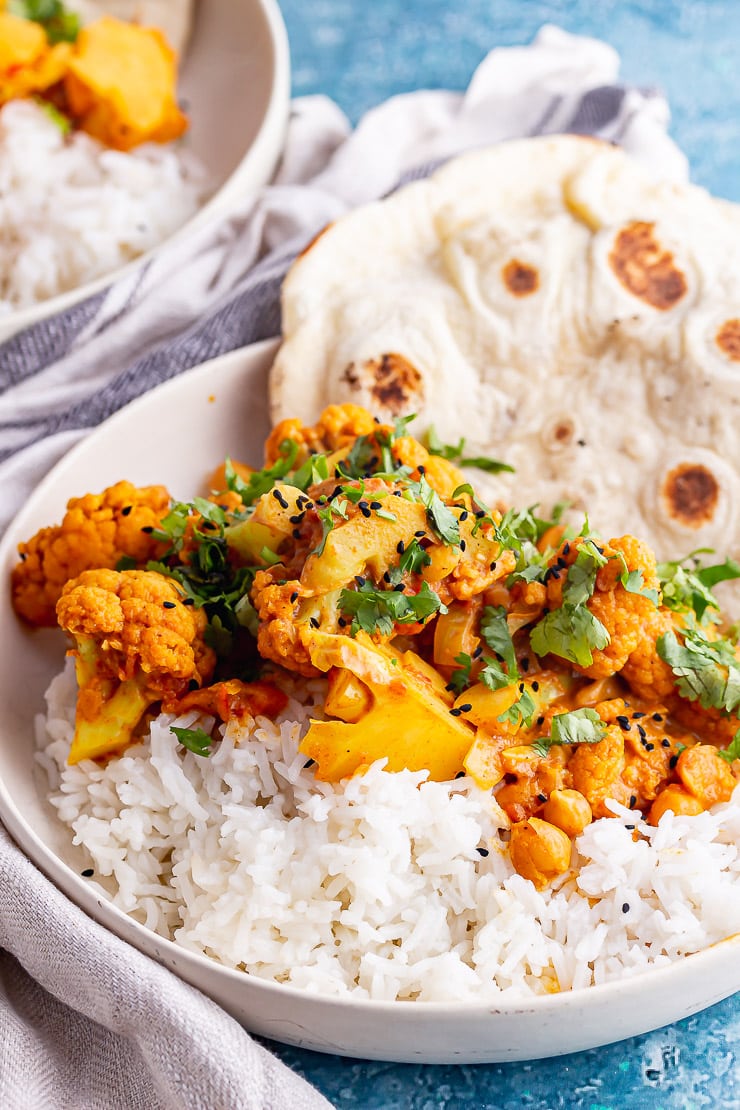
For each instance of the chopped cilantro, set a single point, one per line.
(706, 670)
(456, 453)
(375, 610)
(690, 587)
(443, 520)
(494, 629)
(60, 24)
(732, 751)
(460, 677)
(314, 470)
(572, 631)
(196, 740)
(262, 481)
(634, 583)
(326, 515)
(521, 712)
(579, 726)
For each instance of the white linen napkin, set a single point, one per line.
(86, 1020)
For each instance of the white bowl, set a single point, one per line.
(217, 409)
(235, 82)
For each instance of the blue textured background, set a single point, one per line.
(360, 52)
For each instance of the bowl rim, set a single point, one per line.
(263, 153)
(71, 884)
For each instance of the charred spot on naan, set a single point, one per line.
(390, 380)
(691, 494)
(520, 278)
(728, 339)
(645, 268)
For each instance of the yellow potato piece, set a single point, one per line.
(121, 85)
(28, 64)
(408, 719)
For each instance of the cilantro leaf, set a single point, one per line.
(442, 519)
(460, 677)
(455, 453)
(375, 610)
(732, 751)
(685, 587)
(494, 629)
(262, 481)
(579, 726)
(521, 712)
(634, 583)
(196, 740)
(60, 24)
(571, 632)
(706, 670)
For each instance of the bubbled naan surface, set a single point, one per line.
(558, 308)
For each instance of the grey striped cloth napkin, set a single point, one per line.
(85, 1020)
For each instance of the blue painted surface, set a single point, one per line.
(360, 52)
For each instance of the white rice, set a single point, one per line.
(376, 887)
(72, 210)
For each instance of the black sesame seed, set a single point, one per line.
(386, 577)
(540, 721)
(466, 707)
(633, 801)
(124, 512)
(521, 687)
(535, 686)
(463, 545)
(493, 565)
(480, 514)
(360, 580)
(455, 712)
(624, 723)
(188, 601)
(464, 514)
(630, 827)
(313, 622)
(296, 533)
(342, 622)
(542, 798)
(673, 761)
(637, 716)
(524, 664)
(364, 509)
(376, 505)
(297, 519)
(665, 742)
(566, 549)
(148, 529)
(279, 498)
(625, 907)
(87, 873)
(478, 652)
(168, 604)
(400, 547)
(649, 747)
(460, 775)
(482, 852)
(420, 533)
(294, 596)
(510, 778)
(642, 732)
(421, 469)
(397, 493)
(399, 588)
(657, 717)
(308, 763)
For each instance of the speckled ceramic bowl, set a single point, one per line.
(217, 409)
(235, 80)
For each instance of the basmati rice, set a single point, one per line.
(72, 210)
(376, 886)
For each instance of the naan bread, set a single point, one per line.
(558, 308)
(173, 17)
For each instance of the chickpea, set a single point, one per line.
(569, 810)
(539, 851)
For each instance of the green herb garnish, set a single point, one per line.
(732, 751)
(690, 587)
(456, 453)
(706, 670)
(580, 726)
(60, 24)
(375, 610)
(196, 740)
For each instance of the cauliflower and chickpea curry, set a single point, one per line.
(117, 81)
(553, 668)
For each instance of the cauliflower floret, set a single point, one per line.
(97, 531)
(136, 643)
(337, 427)
(625, 615)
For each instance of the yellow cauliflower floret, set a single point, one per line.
(28, 62)
(625, 615)
(135, 644)
(337, 427)
(97, 531)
